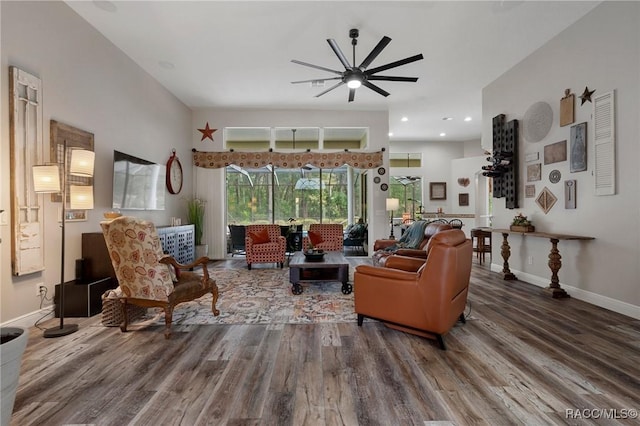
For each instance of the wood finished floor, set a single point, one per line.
(522, 358)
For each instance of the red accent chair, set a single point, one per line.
(331, 237)
(428, 302)
(264, 244)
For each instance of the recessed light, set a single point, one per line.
(447, 118)
(467, 119)
(390, 133)
(443, 134)
(404, 119)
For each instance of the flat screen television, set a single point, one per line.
(137, 184)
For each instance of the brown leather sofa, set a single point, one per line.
(380, 255)
(427, 302)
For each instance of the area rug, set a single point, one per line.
(263, 296)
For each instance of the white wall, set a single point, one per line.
(601, 51)
(209, 183)
(90, 84)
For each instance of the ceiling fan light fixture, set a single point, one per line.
(354, 83)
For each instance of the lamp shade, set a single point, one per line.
(46, 179)
(81, 162)
(81, 197)
(393, 204)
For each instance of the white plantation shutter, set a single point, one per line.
(604, 143)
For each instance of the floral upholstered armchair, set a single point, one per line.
(147, 276)
(328, 237)
(265, 244)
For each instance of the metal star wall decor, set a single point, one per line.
(207, 132)
(586, 95)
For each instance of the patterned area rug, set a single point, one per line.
(263, 296)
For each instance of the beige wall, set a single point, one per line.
(90, 84)
(601, 51)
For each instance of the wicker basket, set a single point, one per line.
(112, 315)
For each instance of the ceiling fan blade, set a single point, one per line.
(330, 89)
(375, 52)
(375, 88)
(352, 94)
(316, 79)
(306, 64)
(392, 78)
(394, 64)
(339, 54)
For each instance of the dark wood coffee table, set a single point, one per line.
(334, 267)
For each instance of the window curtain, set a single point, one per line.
(294, 160)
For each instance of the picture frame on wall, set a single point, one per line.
(534, 172)
(437, 190)
(555, 152)
(463, 199)
(578, 148)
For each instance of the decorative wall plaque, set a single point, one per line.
(463, 199)
(546, 200)
(555, 152)
(566, 108)
(534, 172)
(570, 194)
(578, 148)
(537, 122)
(554, 176)
(529, 191)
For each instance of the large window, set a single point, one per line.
(408, 190)
(307, 195)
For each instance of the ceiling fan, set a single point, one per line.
(355, 76)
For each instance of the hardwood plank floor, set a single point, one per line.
(521, 358)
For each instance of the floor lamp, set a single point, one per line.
(48, 179)
(392, 204)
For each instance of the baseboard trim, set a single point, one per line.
(29, 320)
(605, 302)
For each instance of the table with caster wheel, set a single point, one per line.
(332, 267)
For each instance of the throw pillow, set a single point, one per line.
(315, 238)
(260, 237)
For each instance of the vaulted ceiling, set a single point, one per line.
(237, 54)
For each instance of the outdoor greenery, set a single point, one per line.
(260, 196)
(195, 215)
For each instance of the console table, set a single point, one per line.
(554, 256)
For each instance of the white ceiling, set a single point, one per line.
(237, 54)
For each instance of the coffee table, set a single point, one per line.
(333, 267)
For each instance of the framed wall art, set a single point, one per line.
(437, 190)
(529, 191)
(463, 199)
(555, 152)
(534, 172)
(578, 148)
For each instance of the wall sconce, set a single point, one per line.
(392, 204)
(47, 179)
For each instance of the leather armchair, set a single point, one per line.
(428, 302)
(147, 276)
(380, 257)
(265, 244)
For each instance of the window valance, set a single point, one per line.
(289, 160)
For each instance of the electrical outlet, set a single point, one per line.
(40, 289)
(530, 260)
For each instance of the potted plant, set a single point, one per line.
(195, 215)
(521, 224)
(12, 345)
